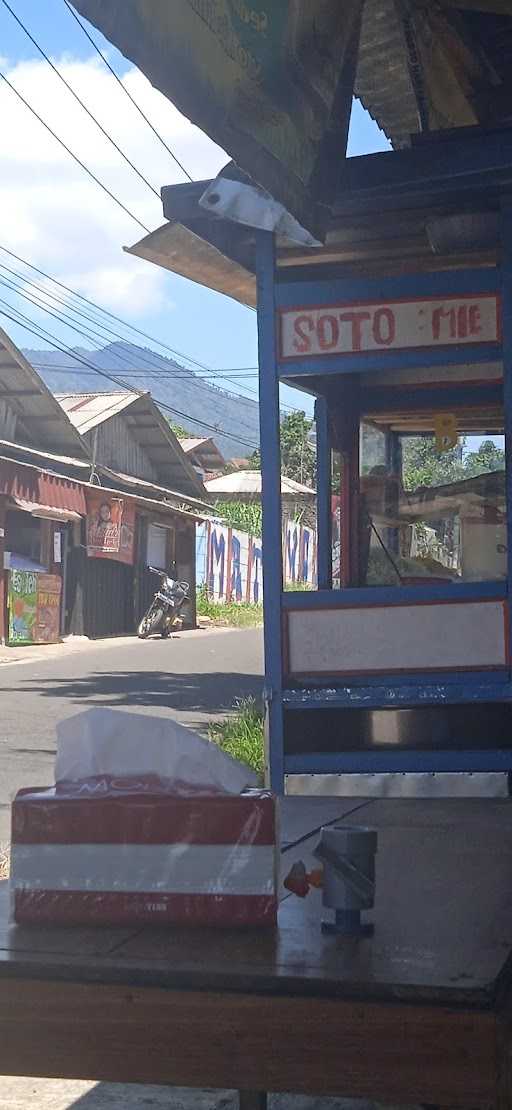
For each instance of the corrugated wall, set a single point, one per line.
(117, 447)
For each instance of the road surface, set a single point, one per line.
(194, 677)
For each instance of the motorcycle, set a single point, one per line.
(164, 613)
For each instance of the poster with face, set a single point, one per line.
(110, 527)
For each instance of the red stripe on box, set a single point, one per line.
(56, 907)
(47, 817)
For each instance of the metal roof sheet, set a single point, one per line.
(248, 483)
(40, 419)
(147, 425)
(88, 410)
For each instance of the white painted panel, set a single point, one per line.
(400, 637)
(389, 325)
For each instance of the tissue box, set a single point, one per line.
(105, 853)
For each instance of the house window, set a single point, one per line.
(157, 555)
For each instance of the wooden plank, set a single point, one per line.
(249, 1042)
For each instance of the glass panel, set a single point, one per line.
(432, 504)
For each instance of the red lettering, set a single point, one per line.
(302, 344)
(475, 321)
(440, 314)
(328, 332)
(356, 320)
(462, 321)
(384, 336)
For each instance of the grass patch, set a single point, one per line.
(241, 735)
(235, 614)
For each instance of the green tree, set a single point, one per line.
(488, 457)
(424, 466)
(179, 430)
(298, 455)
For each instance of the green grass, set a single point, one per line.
(241, 735)
(236, 614)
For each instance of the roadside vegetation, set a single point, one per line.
(241, 734)
(234, 614)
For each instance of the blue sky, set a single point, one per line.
(55, 217)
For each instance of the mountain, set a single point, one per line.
(197, 401)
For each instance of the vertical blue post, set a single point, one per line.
(271, 506)
(323, 495)
(506, 295)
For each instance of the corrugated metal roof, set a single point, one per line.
(383, 83)
(248, 483)
(148, 427)
(88, 410)
(40, 421)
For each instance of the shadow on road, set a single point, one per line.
(204, 693)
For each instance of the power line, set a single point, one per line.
(119, 320)
(109, 331)
(126, 91)
(74, 156)
(59, 368)
(28, 324)
(191, 378)
(105, 311)
(80, 101)
(92, 319)
(154, 370)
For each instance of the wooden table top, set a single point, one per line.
(443, 919)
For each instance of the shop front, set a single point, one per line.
(38, 511)
(109, 584)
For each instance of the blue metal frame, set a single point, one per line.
(440, 283)
(506, 295)
(402, 692)
(271, 506)
(378, 691)
(323, 496)
(394, 595)
(404, 762)
(336, 365)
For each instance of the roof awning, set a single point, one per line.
(45, 512)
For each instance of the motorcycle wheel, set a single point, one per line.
(149, 622)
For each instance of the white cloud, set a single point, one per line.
(52, 214)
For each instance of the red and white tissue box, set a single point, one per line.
(110, 852)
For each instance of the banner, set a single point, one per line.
(110, 527)
(34, 607)
(270, 82)
(230, 562)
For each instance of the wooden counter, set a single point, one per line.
(419, 1013)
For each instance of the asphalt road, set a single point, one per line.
(194, 677)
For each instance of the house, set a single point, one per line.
(43, 463)
(133, 451)
(245, 485)
(204, 455)
(77, 535)
(125, 432)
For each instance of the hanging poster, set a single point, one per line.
(110, 527)
(34, 607)
(47, 622)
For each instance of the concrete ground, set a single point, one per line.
(49, 1094)
(193, 677)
